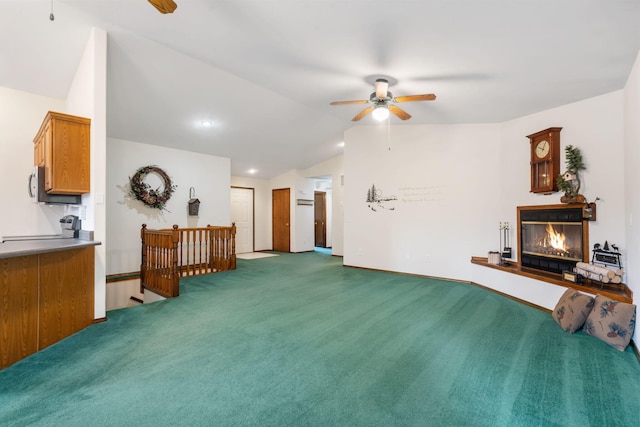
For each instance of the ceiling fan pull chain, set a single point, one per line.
(51, 17)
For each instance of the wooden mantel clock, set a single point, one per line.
(545, 160)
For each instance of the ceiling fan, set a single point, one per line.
(164, 6)
(383, 102)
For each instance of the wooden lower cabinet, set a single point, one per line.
(18, 308)
(43, 299)
(66, 294)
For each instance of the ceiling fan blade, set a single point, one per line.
(381, 85)
(362, 114)
(399, 112)
(364, 101)
(164, 6)
(411, 98)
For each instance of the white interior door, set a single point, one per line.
(242, 215)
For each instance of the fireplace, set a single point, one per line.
(552, 238)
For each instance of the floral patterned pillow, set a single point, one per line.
(611, 321)
(572, 310)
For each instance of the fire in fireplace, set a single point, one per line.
(552, 238)
(555, 240)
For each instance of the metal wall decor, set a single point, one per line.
(194, 204)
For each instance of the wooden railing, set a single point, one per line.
(168, 255)
(159, 262)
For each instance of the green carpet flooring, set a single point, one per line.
(299, 340)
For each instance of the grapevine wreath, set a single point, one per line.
(143, 191)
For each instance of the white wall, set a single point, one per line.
(302, 185)
(262, 210)
(333, 167)
(209, 175)
(303, 238)
(595, 126)
(446, 180)
(301, 220)
(455, 183)
(87, 97)
(632, 180)
(329, 217)
(21, 115)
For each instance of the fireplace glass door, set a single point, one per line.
(561, 240)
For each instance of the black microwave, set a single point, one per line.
(38, 193)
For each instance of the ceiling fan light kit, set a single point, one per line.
(384, 102)
(380, 113)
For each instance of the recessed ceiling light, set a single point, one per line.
(252, 171)
(206, 123)
(341, 144)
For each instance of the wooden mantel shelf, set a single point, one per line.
(619, 292)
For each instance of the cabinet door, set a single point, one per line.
(70, 157)
(39, 150)
(66, 294)
(18, 308)
(47, 150)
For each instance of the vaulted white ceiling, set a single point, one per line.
(265, 71)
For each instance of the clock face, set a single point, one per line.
(542, 148)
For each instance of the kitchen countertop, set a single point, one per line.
(11, 249)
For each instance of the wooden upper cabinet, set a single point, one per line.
(62, 146)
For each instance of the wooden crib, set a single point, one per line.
(169, 254)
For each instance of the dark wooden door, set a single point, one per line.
(281, 213)
(320, 218)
